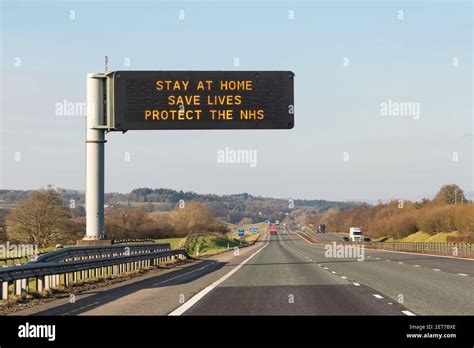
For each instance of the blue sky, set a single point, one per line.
(337, 108)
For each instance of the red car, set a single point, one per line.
(273, 229)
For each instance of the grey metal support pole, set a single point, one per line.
(95, 139)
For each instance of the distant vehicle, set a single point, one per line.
(355, 234)
(345, 239)
(367, 240)
(322, 228)
(277, 222)
(273, 229)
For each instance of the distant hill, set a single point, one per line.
(232, 208)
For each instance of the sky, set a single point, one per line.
(349, 59)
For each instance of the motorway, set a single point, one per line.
(285, 274)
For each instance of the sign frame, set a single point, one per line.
(279, 83)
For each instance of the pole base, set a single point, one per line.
(89, 242)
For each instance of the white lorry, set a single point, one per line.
(355, 234)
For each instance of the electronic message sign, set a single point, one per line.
(141, 100)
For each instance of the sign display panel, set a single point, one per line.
(142, 100)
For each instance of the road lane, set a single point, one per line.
(422, 289)
(443, 263)
(289, 276)
(280, 281)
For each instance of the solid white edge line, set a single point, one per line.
(377, 296)
(425, 254)
(463, 274)
(436, 269)
(408, 313)
(356, 284)
(193, 300)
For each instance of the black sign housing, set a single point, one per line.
(144, 100)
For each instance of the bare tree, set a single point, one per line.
(42, 219)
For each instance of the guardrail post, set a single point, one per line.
(46, 282)
(39, 283)
(5, 286)
(24, 284)
(17, 287)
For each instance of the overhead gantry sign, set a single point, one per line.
(140, 100)
(173, 100)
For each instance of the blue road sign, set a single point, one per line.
(241, 232)
(253, 229)
(267, 222)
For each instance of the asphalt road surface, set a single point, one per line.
(284, 274)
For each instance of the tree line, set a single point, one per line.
(46, 219)
(232, 208)
(448, 211)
